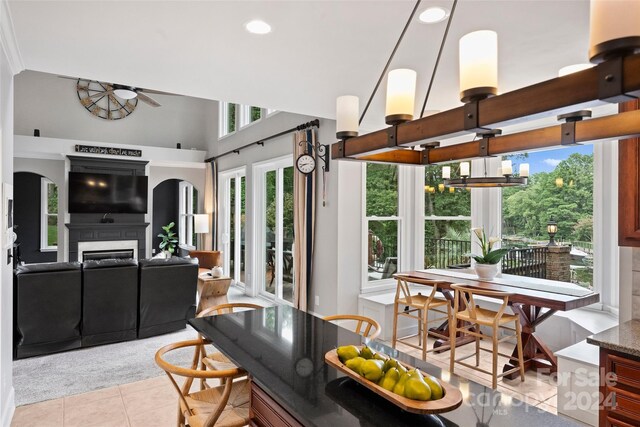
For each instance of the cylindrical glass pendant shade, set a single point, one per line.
(401, 95)
(347, 110)
(478, 65)
(614, 28)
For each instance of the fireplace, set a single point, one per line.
(110, 249)
(98, 255)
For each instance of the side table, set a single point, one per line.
(212, 291)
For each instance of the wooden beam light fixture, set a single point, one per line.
(614, 47)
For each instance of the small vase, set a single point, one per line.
(486, 271)
(216, 271)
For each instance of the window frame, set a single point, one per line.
(185, 217)
(225, 178)
(403, 244)
(259, 171)
(422, 218)
(45, 214)
(223, 122)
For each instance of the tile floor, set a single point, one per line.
(153, 402)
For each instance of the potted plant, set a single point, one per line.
(169, 240)
(487, 264)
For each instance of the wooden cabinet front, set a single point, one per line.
(621, 392)
(629, 186)
(266, 412)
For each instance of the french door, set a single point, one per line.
(274, 229)
(233, 214)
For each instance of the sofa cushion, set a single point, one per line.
(109, 263)
(159, 262)
(47, 267)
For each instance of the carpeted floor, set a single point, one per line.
(79, 371)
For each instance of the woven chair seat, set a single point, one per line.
(418, 301)
(485, 317)
(218, 362)
(204, 402)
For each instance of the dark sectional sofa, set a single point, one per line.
(63, 306)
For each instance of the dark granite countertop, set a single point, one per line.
(624, 338)
(283, 349)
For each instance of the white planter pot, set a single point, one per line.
(486, 271)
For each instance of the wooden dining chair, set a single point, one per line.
(226, 405)
(363, 324)
(217, 361)
(467, 319)
(417, 307)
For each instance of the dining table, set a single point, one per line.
(534, 300)
(283, 349)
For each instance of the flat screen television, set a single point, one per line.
(106, 193)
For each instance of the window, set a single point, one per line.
(227, 118)
(233, 217)
(382, 222)
(250, 114)
(447, 221)
(560, 188)
(188, 201)
(274, 221)
(48, 215)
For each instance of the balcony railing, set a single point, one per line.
(445, 253)
(529, 262)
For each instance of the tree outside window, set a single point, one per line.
(382, 221)
(560, 187)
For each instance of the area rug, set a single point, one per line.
(56, 375)
(64, 374)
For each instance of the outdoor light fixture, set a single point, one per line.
(401, 96)
(478, 65)
(552, 229)
(347, 110)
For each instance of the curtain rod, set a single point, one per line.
(303, 126)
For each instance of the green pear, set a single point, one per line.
(415, 388)
(355, 364)
(390, 379)
(371, 369)
(366, 352)
(399, 387)
(437, 392)
(347, 352)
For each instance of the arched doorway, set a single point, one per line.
(36, 218)
(174, 200)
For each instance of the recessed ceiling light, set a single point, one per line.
(258, 27)
(574, 68)
(433, 15)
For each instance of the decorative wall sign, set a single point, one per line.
(99, 99)
(111, 151)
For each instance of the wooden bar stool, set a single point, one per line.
(418, 307)
(467, 319)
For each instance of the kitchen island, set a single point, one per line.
(283, 351)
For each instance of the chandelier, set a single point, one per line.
(614, 48)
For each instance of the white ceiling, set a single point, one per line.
(317, 50)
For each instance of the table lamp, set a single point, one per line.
(201, 226)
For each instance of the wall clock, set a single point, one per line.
(92, 96)
(306, 163)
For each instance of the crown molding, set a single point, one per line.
(8, 39)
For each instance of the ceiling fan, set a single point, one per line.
(121, 91)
